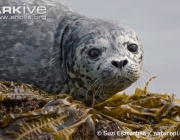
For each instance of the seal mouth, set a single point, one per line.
(116, 82)
(118, 85)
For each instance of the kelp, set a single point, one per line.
(27, 112)
(144, 115)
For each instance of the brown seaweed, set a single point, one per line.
(29, 113)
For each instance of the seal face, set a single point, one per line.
(69, 52)
(108, 58)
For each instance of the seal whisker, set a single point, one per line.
(137, 84)
(146, 74)
(102, 86)
(97, 83)
(97, 92)
(94, 83)
(94, 95)
(103, 90)
(100, 92)
(141, 80)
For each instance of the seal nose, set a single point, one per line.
(119, 64)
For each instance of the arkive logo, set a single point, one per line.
(22, 9)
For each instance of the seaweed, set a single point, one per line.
(27, 112)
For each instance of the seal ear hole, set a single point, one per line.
(132, 48)
(94, 53)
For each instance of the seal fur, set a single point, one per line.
(69, 52)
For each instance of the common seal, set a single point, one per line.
(67, 52)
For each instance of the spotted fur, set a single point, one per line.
(54, 54)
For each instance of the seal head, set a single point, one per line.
(103, 58)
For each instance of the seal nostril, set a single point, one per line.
(115, 63)
(119, 64)
(124, 62)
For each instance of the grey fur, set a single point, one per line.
(53, 54)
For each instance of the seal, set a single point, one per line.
(59, 50)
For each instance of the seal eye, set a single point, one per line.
(132, 48)
(94, 53)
